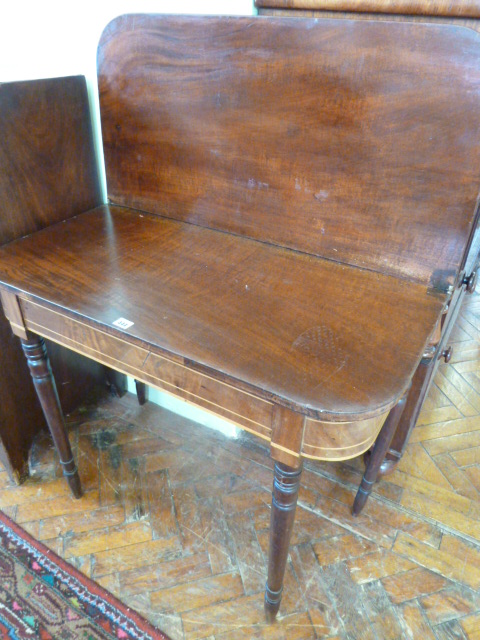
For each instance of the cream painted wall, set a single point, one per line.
(49, 38)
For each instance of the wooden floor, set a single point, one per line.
(175, 522)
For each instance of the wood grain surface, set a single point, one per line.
(48, 170)
(290, 434)
(459, 8)
(47, 173)
(367, 154)
(312, 334)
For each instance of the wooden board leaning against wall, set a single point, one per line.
(31, 200)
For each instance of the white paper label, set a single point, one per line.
(123, 323)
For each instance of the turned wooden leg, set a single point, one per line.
(37, 359)
(380, 449)
(141, 388)
(286, 483)
(421, 382)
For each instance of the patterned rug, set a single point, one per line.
(42, 596)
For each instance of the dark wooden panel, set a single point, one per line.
(459, 8)
(47, 173)
(47, 164)
(317, 336)
(368, 154)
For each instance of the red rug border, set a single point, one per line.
(87, 582)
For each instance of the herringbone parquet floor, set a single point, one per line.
(175, 522)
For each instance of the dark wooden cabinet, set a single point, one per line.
(47, 172)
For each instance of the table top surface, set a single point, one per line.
(316, 334)
(351, 140)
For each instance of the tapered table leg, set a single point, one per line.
(414, 403)
(39, 365)
(380, 449)
(286, 484)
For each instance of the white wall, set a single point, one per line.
(50, 38)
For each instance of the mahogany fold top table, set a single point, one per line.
(290, 207)
(217, 314)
